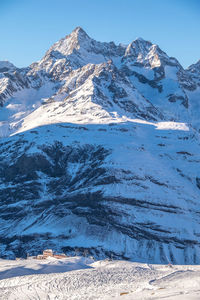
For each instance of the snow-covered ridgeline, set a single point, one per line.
(79, 76)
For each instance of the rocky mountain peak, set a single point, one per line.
(142, 52)
(79, 32)
(76, 50)
(195, 68)
(138, 46)
(6, 66)
(77, 39)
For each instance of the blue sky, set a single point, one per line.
(29, 27)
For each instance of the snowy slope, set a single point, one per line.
(129, 188)
(82, 278)
(100, 150)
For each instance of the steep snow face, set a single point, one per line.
(93, 94)
(104, 152)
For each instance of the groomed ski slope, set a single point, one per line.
(83, 278)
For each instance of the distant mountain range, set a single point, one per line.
(100, 151)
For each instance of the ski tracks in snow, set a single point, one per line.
(106, 280)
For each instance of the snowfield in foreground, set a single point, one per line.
(83, 278)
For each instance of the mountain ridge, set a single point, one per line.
(77, 50)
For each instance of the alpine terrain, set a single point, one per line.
(100, 151)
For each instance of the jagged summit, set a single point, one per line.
(6, 66)
(148, 54)
(77, 38)
(195, 68)
(79, 41)
(79, 49)
(143, 82)
(79, 34)
(79, 31)
(140, 39)
(138, 47)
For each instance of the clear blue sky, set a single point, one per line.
(29, 27)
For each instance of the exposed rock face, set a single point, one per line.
(11, 80)
(124, 177)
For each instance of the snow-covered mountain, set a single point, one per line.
(100, 150)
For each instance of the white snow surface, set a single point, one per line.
(83, 278)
